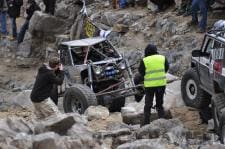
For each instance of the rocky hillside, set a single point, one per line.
(132, 29)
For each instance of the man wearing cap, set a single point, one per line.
(153, 69)
(43, 86)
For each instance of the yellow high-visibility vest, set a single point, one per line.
(154, 71)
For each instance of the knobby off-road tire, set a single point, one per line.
(78, 98)
(222, 128)
(192, 94)
(218, 106)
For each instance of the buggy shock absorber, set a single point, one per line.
(90, 79)
(129, 72)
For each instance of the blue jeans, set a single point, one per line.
(199, 5)
(3, 22)
(14, 28)
(23, 31)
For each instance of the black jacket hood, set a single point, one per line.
(44, 68)
(150, 50)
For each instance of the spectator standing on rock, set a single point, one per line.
(153, 69)
(49, 6)
(3, 12)
(195, 6)
(14, 12)
(43, 86)
(31, 8)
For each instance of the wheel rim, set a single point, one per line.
(76, 105)
(191, 89)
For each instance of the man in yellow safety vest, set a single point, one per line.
(153, 69)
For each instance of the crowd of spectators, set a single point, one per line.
(11, 9)
(182, 7)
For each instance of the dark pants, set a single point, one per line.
(3, 22)
(162, 4)
(159, 3)
(49, 6)
(23, 31)
(54, 94)
(150, 92)
(14, 27)
(199, 5)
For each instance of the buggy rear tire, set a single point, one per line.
(78, 98)
(192, 94)
(117, 104)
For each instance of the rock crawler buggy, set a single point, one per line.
(95, 74)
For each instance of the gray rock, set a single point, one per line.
(47, 140)
(145, 144)
(214, 146)
(158, 128)
(81, 119)
(96, 112)
(178, 135)
(20, 125)
(115, 133)
(122, 140)
(24, 48)
(22, 141)
(46, 26)
(80, 131)
(116, 126)
(148, 132)
(23, 99)
(5, 131)
(60, 124)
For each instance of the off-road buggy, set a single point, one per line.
(204, 82)
(95, 74)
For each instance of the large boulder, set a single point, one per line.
(46, 26)
(59, 124)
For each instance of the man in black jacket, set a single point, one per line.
(49, 6)
(153, 69)
(31, 8)
(14, 12)
(43, 86)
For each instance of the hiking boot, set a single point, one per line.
(192, 23)
(200, 30)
